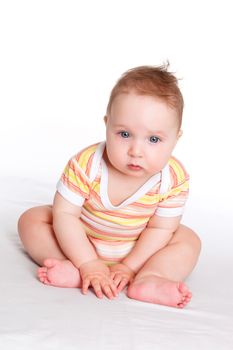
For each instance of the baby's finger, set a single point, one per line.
(107, 291)
(113, 288)
(117, 279)
(112, 275)
(85, 285)
(97, 288)
(123, 284)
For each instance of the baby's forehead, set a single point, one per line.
(142, 108)
(134, 95)
(133, 101)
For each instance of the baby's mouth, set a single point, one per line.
(134, 167)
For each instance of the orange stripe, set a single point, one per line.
(107, 234)
(74, 188)
(88, 166)
(78, 174)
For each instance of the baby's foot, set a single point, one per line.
(59, 273)
(158, 290)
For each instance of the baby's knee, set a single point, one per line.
(192, 240)
(25, 220)
(189, 240)
(32, 217)
(197, 241)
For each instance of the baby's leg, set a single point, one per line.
(37, 235)
(160, 279)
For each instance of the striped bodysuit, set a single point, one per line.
(113, 230)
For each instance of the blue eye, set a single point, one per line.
(124, 134)
(154, 139)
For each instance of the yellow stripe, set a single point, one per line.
(107, 238)
(149, 199)
(84, 157)
(177, 169)
(75, 180)
(121, 221)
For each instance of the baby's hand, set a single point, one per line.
(121, 275)
(97, 275)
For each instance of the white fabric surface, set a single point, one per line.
(35, 316)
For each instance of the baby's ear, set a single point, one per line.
(180, 133)
(105, 119)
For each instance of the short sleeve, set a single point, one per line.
(74, 184)
(172, 202)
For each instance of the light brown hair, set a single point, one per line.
(154, 81)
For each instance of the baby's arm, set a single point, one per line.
(78, 249)
(70, 233)
(157, 234)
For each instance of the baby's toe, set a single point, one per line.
(186, 295)
(183, 289)
(46, 281)
(184, 301)
(42, 274)
(41, 278)
(42, 269)
(49, 263)
(44, 278)
(181, 305)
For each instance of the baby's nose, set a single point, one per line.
(135, 150)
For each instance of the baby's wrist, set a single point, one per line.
(126, 263)
(86, 262)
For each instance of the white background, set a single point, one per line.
(58, 63)
(60, 59)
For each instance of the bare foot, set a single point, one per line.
(158, 290)
(59, 273)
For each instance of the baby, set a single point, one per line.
(115, 219)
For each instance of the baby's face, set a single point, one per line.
(141, 134)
